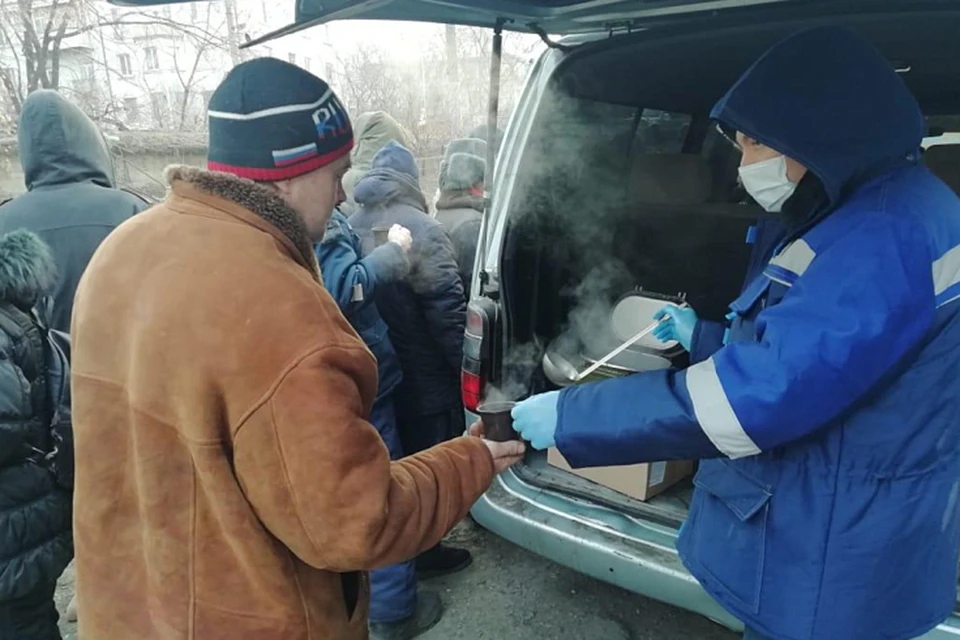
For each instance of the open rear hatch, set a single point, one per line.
(555, 17)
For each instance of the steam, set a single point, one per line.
(571, 198)
(518, 369)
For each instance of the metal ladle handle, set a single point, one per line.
(626, 345)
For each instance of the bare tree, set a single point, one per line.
(368, 80)
(33, 33)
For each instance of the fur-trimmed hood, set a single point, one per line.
(254, 197)
(27, 269)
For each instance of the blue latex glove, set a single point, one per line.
(679, 325)
(535, 419)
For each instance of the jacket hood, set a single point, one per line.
(60, 145)
(27, 269)
(459, 200)
(828, 99)
(393, 176)
(372, 130)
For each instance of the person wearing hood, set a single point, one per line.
(825, 410)
(71, 200)
(36, 543)
(374, 129)
(459, 208)
(231, 483)
(426, 313)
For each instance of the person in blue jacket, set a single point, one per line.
(826, 412)
(426, 312)
(396, 609)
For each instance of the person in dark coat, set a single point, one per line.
(425, 312)
(396, 609)
(36, 542)
(71, 200)
(460, 205)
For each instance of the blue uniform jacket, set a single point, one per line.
(352, 281)
(826, 507)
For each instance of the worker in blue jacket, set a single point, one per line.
(826, 412)
(396, 608)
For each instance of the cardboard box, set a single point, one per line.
(640, 481)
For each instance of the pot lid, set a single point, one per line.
(632, 314)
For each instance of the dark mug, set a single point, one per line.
(498, 421)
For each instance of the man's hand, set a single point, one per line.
(505, 454)
(400, 236)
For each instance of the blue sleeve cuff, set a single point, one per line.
(707, 340)
(647, 417)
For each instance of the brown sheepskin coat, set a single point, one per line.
(228, 486)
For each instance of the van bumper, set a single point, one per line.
(586, 538)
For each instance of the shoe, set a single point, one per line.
(428, 614)
(71, 614)
(441, 561)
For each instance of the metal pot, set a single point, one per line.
(627, 363)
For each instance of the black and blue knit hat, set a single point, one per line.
(271, 120)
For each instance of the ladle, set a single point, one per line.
(562, 373)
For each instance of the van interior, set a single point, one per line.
(627, 183)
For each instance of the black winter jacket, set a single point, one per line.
(70, 201)
(426, 312)
(36, 543)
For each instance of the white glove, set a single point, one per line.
(400, 236)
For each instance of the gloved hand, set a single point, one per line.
(535, 419)
(679, 325)
(400, 236)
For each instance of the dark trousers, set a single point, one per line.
(420, 431)
(32, 616)
(393, 589)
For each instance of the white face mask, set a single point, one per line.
(767, 183)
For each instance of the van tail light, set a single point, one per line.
(477, 352)
(471, 389)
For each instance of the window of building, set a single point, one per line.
(151, 61)
(126, 64)
(306, 64)
(293, 58)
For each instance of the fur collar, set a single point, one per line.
(254, 197)
(27, 269)
(459, 200)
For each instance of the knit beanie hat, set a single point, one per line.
(463, 164)
(271, 120)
